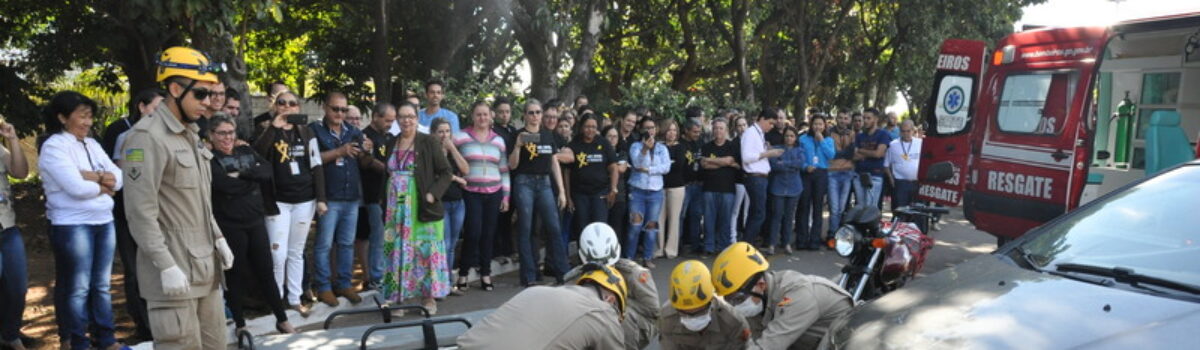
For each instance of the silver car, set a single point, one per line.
(1122, 272)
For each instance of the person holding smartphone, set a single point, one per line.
(535, 170)
(650, 160)
(296, 191)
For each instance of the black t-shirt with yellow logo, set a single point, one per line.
(721, 179)
(589, 174)
(536, 157)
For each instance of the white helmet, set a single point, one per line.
(598, 243)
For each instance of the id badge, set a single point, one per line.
(295, 167)
(341, 161)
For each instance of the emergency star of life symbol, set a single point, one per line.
(952, 102)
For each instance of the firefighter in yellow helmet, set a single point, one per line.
(785, 309)
(181, 251)
(598, 243)
(694, 318)
(586, 315)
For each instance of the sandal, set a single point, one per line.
(486, 284)
(461, 284)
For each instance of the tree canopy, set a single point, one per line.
(620, 53)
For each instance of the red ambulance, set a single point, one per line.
(1027, 130)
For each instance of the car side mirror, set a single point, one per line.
(1102, 155)
(939, 172)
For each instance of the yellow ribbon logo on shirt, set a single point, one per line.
(282, 148)
(532, 148)
(582, 159)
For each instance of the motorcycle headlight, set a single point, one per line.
(845, 240)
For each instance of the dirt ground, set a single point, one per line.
(39, 301)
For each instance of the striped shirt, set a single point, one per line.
(487, 162)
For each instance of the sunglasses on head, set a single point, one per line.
(289, 103)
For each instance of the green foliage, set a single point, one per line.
(111, 104)
(462, 93)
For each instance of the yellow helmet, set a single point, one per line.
(187, 63)
(608, 278)
(735, 265)
(691, 285)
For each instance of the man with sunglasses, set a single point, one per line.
(168, 204)
(785, 309)
(342, 152)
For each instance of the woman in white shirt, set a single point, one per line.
(79, 180)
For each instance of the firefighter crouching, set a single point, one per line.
(598, 244)
(694, 319)
(583, 316)
(785, 309)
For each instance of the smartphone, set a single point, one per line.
(298, 119)
(530, 138)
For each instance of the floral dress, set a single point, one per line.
(415, 251)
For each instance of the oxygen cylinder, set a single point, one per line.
(1125, 112)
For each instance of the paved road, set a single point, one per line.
(957, 241)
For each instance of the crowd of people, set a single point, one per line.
(181, 192)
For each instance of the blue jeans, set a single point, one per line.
(693, 212)
(336, 226)
(840, 183)
(644, 204)
(589, 208)
(13, 283)
(564, 223)
(904, 192)
(781, 221)
(756, 189)
(534, 192)
(812, 205)
(375, 242)
(83, 256)
(452, 228)
(718, 212)
(868, 196)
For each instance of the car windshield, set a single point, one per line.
(1152, 229)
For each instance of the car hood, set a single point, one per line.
(988, 303)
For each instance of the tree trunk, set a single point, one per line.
(739, 10)
(380, 60)
(581, 70)
(535, 40)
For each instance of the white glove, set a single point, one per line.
(226, 254)
(174, 281)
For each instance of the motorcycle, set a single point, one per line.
(884, 255)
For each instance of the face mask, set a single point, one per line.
(748, 308)
(696, 323)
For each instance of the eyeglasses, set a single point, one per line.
(289, 103)
(223, 133)
(201, 94)
(340, 109)
(533, 112)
